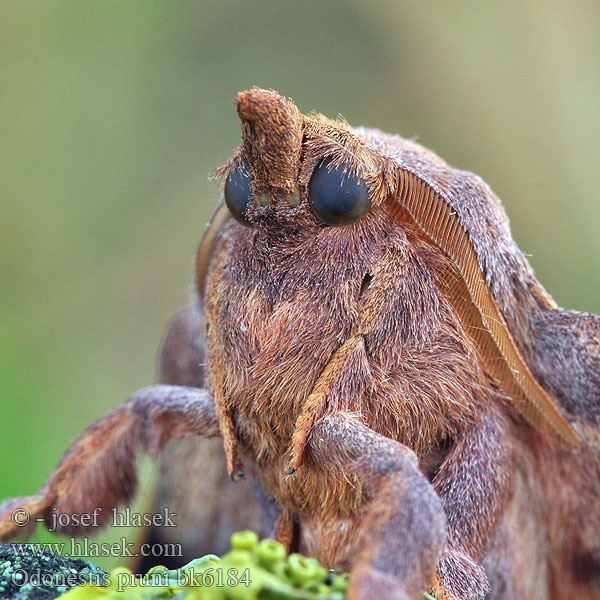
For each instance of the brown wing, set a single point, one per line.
(468, 292)
(207, 245)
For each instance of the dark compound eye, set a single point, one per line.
(238, 193)
(337, 198)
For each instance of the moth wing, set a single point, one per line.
(448, 207)
(566, 360)
(207, 245)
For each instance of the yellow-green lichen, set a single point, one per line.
(251, 570)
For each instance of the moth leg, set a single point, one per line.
(193, 483)
(98, 471)
(474, 483)
(403, 529)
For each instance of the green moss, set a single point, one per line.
(251, 570)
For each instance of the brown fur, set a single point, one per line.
(210, 511)
(414, 376)
(350, 379)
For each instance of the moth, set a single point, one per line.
(370, 347)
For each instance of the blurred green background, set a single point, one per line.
(113, 114)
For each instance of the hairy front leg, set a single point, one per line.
(98, 471)
(475, 482)
(403, 530)
(193, 481)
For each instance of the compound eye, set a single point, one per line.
(238, 193)
(337, 198)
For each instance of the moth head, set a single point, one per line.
(292, 158)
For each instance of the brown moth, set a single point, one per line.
(409, 402)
